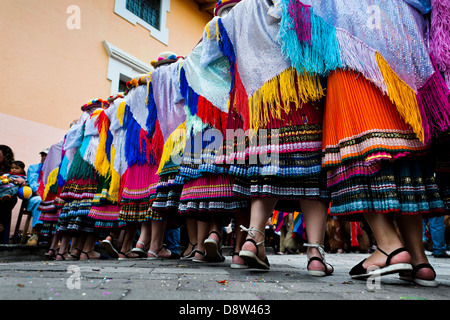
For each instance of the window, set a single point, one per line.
(123, 83)
(123, 67)
(150, 14)
(147, 10)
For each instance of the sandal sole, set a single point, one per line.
(395, 268)
(212, 253)
(253, 261)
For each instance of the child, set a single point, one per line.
(12, 181)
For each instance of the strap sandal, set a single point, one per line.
(100, 257)
(238, 265)
(109, 247)
(319, 273)
(74, 255)
(190, 256)
(410, 276)
(155, 256)
(126, 256)
(252, 260)
(62, 255)
(212, 251)
(359, 272)
(141, 252)
(201, 253)
(51, 254)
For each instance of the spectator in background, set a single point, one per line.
(6, 160)
(34, 176)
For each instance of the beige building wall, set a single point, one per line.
(53, 59)
(50, 70)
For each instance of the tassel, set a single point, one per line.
(434, 106)
(114, 186)
(173, 146)
(278, 93)
(101, 162)
(404, 98)
(121, 112)
(152, 111)
(51, 180)
(190, 96)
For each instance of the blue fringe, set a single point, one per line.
(152, 112)
(109, 140)
(133, 153)
(227, 49)
(189, 95)
(321, 57)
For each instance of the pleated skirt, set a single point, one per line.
(281, 160)
(138, 192)
(373, 160)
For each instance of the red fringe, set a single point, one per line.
(211, 115)
(157, 144)
(240, 98)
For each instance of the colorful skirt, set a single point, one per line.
(281, 160)
(168, 192)
(138, 192)
(103, 211)
(373, 160)
(207, 186)
(78, 193)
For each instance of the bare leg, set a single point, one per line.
(191, 226)
(387, 239)
(63, 252)
(411, 231)
(203, 229)
(242, 219)
(260, 212)
(315, 214)
(128, 239)
(156, 244)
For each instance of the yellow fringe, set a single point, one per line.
(174, 145)
(278, 93)
(402, 96)
(51, 180)
(114, 186)
(121, 112)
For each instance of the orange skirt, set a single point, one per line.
(363, 125)
(363, 135)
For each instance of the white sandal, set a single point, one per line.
(252, 260)
(318, 273)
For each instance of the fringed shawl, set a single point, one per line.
(263, 80)
(386, 41)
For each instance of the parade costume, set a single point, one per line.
(105, 205)
(280, 106)
(143, 147)
(381, 116)
(82, 179)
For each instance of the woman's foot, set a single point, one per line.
(317, 267)
(213, 248)
(51, 254)
(237, 262)
(92, 255)
(162, 253)
(128, 255)
(141, 249)
(64, 257)
(422, 274)
(189, 252)
(253, 252)
(380, 263)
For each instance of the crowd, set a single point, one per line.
(282, 107)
